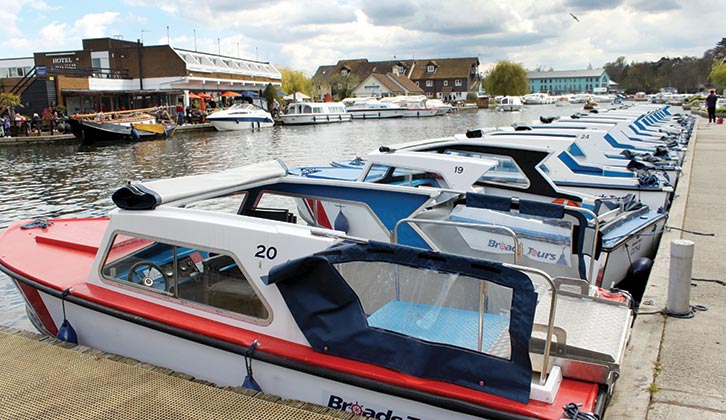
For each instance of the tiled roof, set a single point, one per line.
(446, 68)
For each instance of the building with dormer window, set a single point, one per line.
(444, 78)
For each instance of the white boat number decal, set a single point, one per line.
(458, 169)
(265, 252)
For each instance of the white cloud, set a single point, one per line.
(95, 25)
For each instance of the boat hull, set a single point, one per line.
(237, 124)
(108, 329)
(376, 114)
(90, 132)
(300, 119)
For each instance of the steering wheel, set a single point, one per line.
(147, 280)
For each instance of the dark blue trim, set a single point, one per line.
(331, 317)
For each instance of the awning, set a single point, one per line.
(230, 94)
(193, 95)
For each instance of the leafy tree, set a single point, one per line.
(295, 81)
(342, 87)
(718, 74)
(10, 101)
(508, 79)
(270, 94)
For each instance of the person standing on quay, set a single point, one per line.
(711, 106)
(179, 114)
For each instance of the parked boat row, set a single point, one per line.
(454, 277)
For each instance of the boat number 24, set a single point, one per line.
(266, 252)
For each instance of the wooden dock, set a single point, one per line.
(45, 378)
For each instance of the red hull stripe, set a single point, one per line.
(32, 296)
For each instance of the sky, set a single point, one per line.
(302, 35)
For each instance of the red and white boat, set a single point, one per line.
(377, 329)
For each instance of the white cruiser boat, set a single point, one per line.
(241, 117)
(315, 113)
(371, 109)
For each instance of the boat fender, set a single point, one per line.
(66, 332)
(637, 278)
(134, 133)
(341, 222)
(249, 381)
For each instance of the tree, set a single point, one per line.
(295, 81)
(342, 87)
(507, 78)
(718, 74)
(270, 94)
(10, 101)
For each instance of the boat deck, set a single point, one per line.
(76, 382)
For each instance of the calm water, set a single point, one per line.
(67, 180)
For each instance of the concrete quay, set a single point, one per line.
(675, 368)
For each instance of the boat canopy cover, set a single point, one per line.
(409, 312)
(148, 195)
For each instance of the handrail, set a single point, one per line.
(551, 317)
(24, 81)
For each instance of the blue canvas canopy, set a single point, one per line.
(331, 316)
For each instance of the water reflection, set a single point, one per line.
(67, 180)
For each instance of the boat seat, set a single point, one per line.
(228, 289)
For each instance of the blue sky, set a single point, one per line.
(305, 34)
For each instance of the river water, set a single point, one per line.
(67, 180)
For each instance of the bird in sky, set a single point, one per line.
(574, 17)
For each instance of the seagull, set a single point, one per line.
(574, 17)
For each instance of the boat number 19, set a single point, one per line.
(266, 252)
(458, 169)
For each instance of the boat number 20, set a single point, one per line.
(458, 169)
(266, 252)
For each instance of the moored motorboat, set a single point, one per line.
(241, 117)
(315, 113)
(121, 126)
(509, 103)
(352, 324)
(372, 109)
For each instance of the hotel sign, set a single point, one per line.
(63, 61)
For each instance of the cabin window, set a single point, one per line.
(384, 174)
(507, 172)
(188, 273)
(445, 308)
(352, 217)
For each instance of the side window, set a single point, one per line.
(187, 273)
(507, 172)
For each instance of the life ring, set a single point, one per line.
(565, 202)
